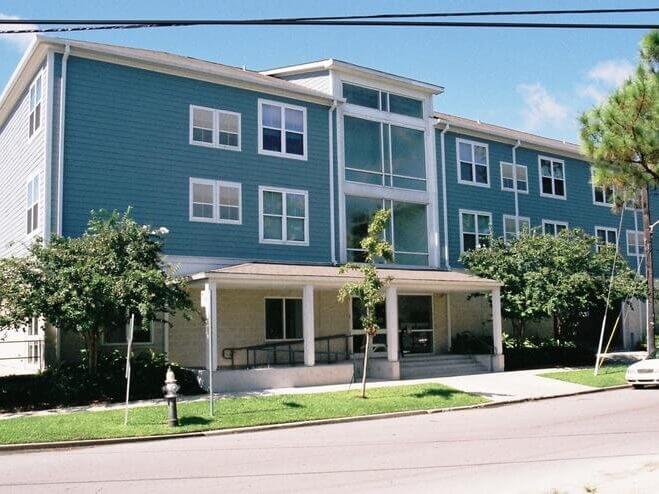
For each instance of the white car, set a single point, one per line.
(645, 372)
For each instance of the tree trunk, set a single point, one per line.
(649, 271)
(91, 343)
(368, 344)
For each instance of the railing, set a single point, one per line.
(286, 352)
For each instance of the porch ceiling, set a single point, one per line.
(258, 275)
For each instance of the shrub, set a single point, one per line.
(536, 352)
(72, 384)
(471, 344)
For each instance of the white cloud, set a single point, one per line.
(19, 41)
(611, 73)
(541, 109)
(592, 91)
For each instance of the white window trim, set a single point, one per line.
(553, 222)
(458, 141)
(216, 201)
(639, 234)
(552, 160)
(606, 229)
(28, 182)
(515, 166)
(593, 186)
(282, 153)
(38, 77)
(512, 217)
(284, 191)
(135, 343)
(283, 314)
(471, 211)
(216, 129)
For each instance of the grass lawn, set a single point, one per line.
(608, 376)
(232, 412)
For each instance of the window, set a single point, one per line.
(603, 196)
(416, 323)
(32, 205)
(514, 176)
(635, 245)
(382, 100)
(473, 166)
(510, 228)
(605, 236)
(214, 128)
(283, 318)
(282, 130)
(475, 229)
(215, 201)
(283, 216)
(35, 106)
(34, 352)
(407, 231)
(382, 154)
(553, 227)
(379, 341)
(117, 334)
(552, 177)
(33, 327)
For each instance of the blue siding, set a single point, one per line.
(126, 144)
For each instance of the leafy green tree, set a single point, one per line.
(370, 290)
(621, 137)
(90, 284)
(563, 277)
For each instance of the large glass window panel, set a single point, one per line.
(410, 228)
(357, 313)
(363, 144)
(405, 106)
(361, 96)
(414, 312)
(293, 317)
(274, 318)
(408, 152)
(359, 211)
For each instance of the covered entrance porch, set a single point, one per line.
(281, 325)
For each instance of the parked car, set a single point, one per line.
(645, 372)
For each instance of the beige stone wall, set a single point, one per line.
(187, 338)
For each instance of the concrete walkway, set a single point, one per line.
(500, 387)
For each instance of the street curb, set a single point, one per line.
(9, 448)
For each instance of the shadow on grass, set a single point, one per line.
(194, 421)
(292, 404)
(434, 392)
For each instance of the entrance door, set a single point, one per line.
(415, 323)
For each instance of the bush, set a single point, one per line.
(72, 384)
(468, 343)
(536, 352)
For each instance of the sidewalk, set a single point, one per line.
(499, 387)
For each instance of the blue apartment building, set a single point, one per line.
(266, 182)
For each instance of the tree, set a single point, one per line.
(563, 277)
(370, 289)
(621, 137)
(92, 283)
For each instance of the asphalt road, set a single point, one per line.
(608, 442)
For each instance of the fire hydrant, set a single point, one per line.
(170, 389)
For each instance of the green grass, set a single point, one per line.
(231, 412)
(608, 376)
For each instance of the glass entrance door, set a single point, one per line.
(415, 323)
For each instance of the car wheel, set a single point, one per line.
(638, 386)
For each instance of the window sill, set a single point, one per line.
(553, 196)
(276, 154)
(474, 184)
(283, 242)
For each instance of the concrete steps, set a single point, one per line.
(424, 366)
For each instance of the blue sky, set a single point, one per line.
(537, 80)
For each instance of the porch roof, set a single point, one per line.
(256, 275)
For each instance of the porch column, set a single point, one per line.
(308, 329)
(209, 304)
(496, 321)
(391, 304)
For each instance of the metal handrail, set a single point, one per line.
(287, 347)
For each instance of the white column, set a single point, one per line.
(209, 304)
(449, 329)
(391, 303)
(496, 321)
(308, 330)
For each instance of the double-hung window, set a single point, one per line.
(510, 230)
(214, 128)
(603, 195)
(550, 227)
(283, 318)
(475, 229)
(215, 201)
(514, 177)
(552, 177)
(635, 245)
(605, 236)
(284, 216)
(282, 130)
(32, 205)
(35, 105)
(473, 164)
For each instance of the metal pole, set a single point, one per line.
(648, 227)
(211, 302)
(128, 350)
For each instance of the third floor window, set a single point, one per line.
(552, 177)
(282, 130)
(473, 166)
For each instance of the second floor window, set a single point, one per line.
(510, 230)
(552, 177)
(514, 176)
(284, 216)
(282, 130)
(35, 106)
(475, 230)
(214, 128)
(603, 196)
(635, 246)
(605, 236)
(32, 205)
(473, 165)
(215, 201)
(550, 227)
